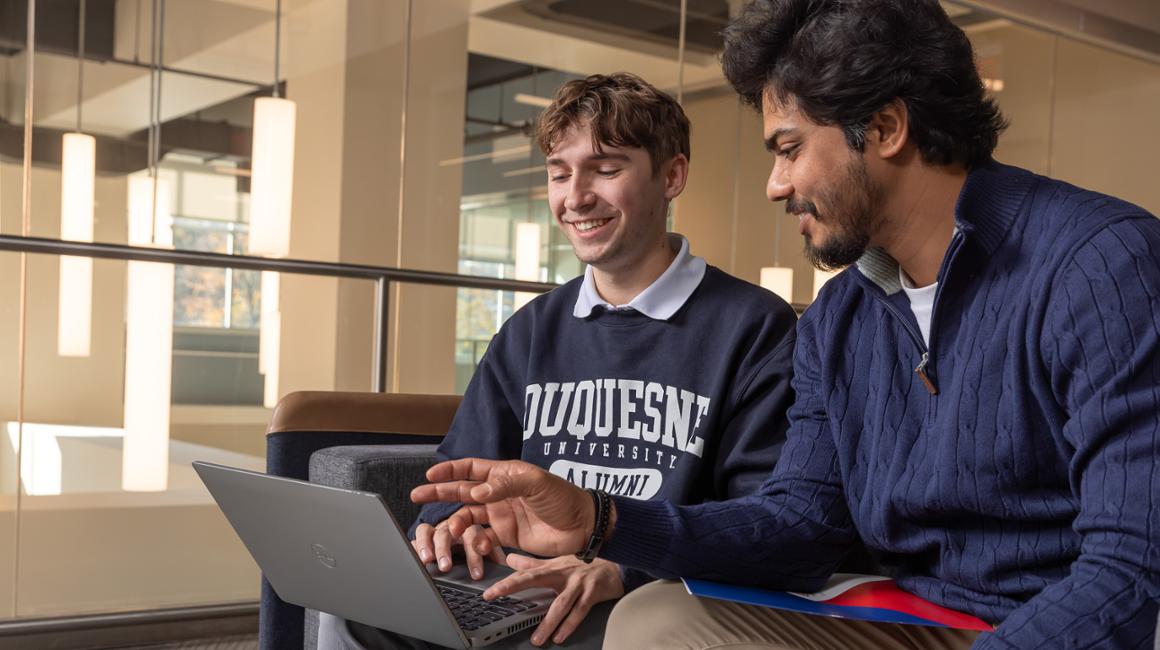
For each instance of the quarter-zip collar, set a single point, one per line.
(987, 206)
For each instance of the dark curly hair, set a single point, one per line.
(841, 61)
(622, 110)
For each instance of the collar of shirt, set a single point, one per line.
(661, 299)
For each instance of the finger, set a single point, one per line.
(523, 562)
(442, 539)
(466, 517)
(575, 617)
(484, 543)
(423, 544)
(521, 580)
(497, 555)
(556, 613)
(502, 486)
(474, 469)
(452, 492)
(474, 557)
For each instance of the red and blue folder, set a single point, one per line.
(861, 597)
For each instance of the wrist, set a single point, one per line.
(600, 519)
(611, 518)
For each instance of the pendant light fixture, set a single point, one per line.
(148, 342)
(149, 308)
(77, 171)
(271, 190)
(821, 278)
(777, 278)
(527, 259)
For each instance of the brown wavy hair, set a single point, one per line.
(622, 110)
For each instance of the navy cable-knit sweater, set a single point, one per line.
(1026, 490)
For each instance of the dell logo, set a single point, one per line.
(323, 555)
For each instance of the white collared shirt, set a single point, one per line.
(661, 299)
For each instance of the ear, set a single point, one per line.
(676, 173)
(888, 130)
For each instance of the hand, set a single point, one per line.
(578, 587)
(433, 542)
(526, 506)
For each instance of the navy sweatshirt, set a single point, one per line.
(687, 409)
(1026, 490)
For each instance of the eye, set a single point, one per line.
(789, 151)
(608, 172)
(558, 178)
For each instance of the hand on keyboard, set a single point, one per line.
(433, 544)
(578, 587)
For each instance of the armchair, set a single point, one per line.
(385, 442)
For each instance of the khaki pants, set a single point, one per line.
(663, 615)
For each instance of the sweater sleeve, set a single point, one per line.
(487, 424)
(791, 534)
(1101, 349)
(753, 436)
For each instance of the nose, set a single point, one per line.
(778, 188)
(580, 197)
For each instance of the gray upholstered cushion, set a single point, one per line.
(389, 470)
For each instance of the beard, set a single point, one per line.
(852, 217)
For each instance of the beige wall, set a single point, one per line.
(723, 210)
(1106, 134)
(346, 197)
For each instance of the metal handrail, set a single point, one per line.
(381, 275)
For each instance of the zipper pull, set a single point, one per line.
(920, 370)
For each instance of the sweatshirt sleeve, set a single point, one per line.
(487, 424)
(753, 435)
(791, 534)
(1101, 348)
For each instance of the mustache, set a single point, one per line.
(796, 206)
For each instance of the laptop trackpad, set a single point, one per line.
(492, 573)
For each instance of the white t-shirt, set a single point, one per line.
(921, 303)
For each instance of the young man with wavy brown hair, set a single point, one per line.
(652, 376)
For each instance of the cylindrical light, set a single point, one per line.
(148, 343)
(272, 176)
(821, 278)
(270, 336)
(527, 259)
(75, 316)
(778, 279)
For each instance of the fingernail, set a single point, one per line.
(425, 555)
(444, 563)
(537, 640)
(485, 490)
(477, 573)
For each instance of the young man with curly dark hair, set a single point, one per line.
(977, 395)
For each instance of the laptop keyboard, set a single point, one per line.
(473, 612)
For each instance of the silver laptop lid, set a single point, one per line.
(334, 550)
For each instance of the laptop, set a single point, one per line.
(343, 552)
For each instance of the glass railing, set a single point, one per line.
(100, 511)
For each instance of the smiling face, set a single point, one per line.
(609, 203)
(825, 185)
